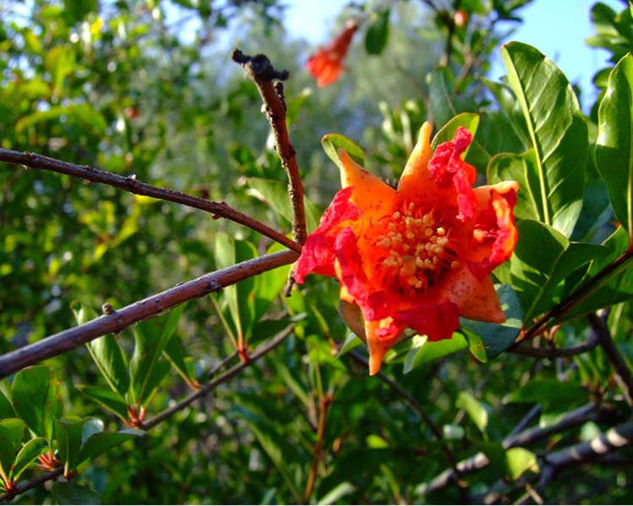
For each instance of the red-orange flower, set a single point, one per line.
(418, 256)
(327, 63)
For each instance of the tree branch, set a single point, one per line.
(623, 376)
(529, 351)
(132, 185)
(259, 69)
(208, 387)
(577, 296)
(479, 461)
(140, 310)
(316, 453)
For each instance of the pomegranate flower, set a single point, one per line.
(418, 256)
(326, 64)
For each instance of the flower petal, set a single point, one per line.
(415, 174)
(381, 336)
(318, 253)
(370, 193)
(475, 298)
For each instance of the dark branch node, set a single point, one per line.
(259, 66)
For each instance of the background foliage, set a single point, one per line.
(145, 87)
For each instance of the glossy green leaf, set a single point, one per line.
(27, 454)
(108, 399)
(68, 431)
(432, 350)
(150, 339)
(11, 433)
(520, 460)
(338, 492)
(614, 148)
(108, 356)
(6, 409)
(468, 120)
(377, 33)
(557, 131)
(476, 345)
(333, 142)
(477, 411)
(175, 352)
(72, 493)
(34, 400)
(101, 442)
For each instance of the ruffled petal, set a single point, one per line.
(318, 255)
(370, 193)
(446, 167)
(435, 320)
(495, 235)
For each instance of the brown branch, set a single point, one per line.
(479, 461)
(623, 376)
(221, 365)
(27, 485)
(259, 69)
(140, 310)
(529, 351)
(577, 296)
(132, 185)
(316, 453)
(208, 387)
(582, 453)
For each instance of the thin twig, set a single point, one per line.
(208, 387)
(577, 296)
(529, 351)
(415, 405)
(221, 365)
(623, 376)
(132, 185)
(316, 453)
(480, 460)
(526, 420)
(140, 310)
(27, 485)
(268, 80)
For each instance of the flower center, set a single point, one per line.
(416, 249)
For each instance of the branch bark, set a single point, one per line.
(132, 185)
(529, 351)
(141, 310)
(268, 81)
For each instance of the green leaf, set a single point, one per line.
(558, 133)
(59, 61)
(615, 288)
(27, 454)
(34, 399)
(377, 33)
(108, 399)
(519, 460)
(432, 350)
(333, 142)
(468, 120)
(175, 353)
(614, 148)
(552, 395)
(476, 345)
(150, 339)
(11, 432)
(71, 493)
(69, 430)
(101, 442)
(338, 492)
(498, 337)
(6, 409)
(475, 409)
(108, 356)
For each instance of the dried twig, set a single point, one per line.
(529, 351)
(132, 185)
(268, 80)
(140, 310)
(316, 453)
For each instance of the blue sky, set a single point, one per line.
(557, 28)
